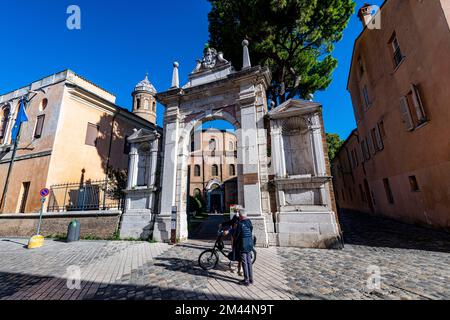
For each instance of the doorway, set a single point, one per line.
(368, 194)
(24, 196)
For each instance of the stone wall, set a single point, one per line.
(101, 224)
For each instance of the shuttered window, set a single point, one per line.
(39, 126)
(418, 105)
(363, 150)
(366, 98)
(379, 139)
(406, 114)
(388, 190)
(370, 143)
(91, 135)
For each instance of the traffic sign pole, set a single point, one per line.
(37, 241)
(40, 216)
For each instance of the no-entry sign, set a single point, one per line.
(44, 192)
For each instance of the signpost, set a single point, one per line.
(37, 241)
(173, 233)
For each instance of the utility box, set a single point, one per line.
(73, 231)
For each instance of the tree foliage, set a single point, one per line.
(334, 142)
(294, 38)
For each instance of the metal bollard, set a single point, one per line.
(73, 231)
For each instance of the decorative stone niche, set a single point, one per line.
(304, 215)
(141, 193)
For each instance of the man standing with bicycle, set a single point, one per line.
(244, 238)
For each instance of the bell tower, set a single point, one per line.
(144, 101)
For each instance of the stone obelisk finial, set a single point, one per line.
(175, 77)
(246, 59)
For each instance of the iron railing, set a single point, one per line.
(87, 196)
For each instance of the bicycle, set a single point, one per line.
(209, 259)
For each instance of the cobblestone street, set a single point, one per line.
(414, 264)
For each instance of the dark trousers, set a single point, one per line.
(247, 266)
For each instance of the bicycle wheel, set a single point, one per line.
(253, 256)
(208, 259)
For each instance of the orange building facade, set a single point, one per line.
(397, 162)
(75, 134)
(213, 168)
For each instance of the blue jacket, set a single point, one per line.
(244, 236)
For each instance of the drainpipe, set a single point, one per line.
(109, 157)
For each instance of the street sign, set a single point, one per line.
(173, 233)
(44, 193)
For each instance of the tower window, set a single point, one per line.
(138, 103)
(154, 106)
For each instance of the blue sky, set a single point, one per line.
(122, 40)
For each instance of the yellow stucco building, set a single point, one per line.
(76, 134)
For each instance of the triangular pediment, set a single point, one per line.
(143, 135)
(294, 107)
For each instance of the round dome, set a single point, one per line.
(145, 85)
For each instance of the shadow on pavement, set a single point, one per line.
(375, 231)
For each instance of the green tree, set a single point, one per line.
(334, 142)
(294, 38)
(117, 182)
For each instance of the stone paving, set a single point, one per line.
(414, 264)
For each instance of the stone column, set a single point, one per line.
(278, 158)
(168, 190)
(318, 155)
(248, 155)
(278, 161)
(316, 140)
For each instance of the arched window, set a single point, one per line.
(231, 145)
(232, 169)
(154, 106)
(212, 144)
(146, 104)
(197, 171)
(4, 121)
(215, 170)
(138, 103)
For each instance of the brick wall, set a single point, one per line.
(98, 224)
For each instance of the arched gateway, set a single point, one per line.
(286, 190)
(216, 91)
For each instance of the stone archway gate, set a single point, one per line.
(216, 91)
